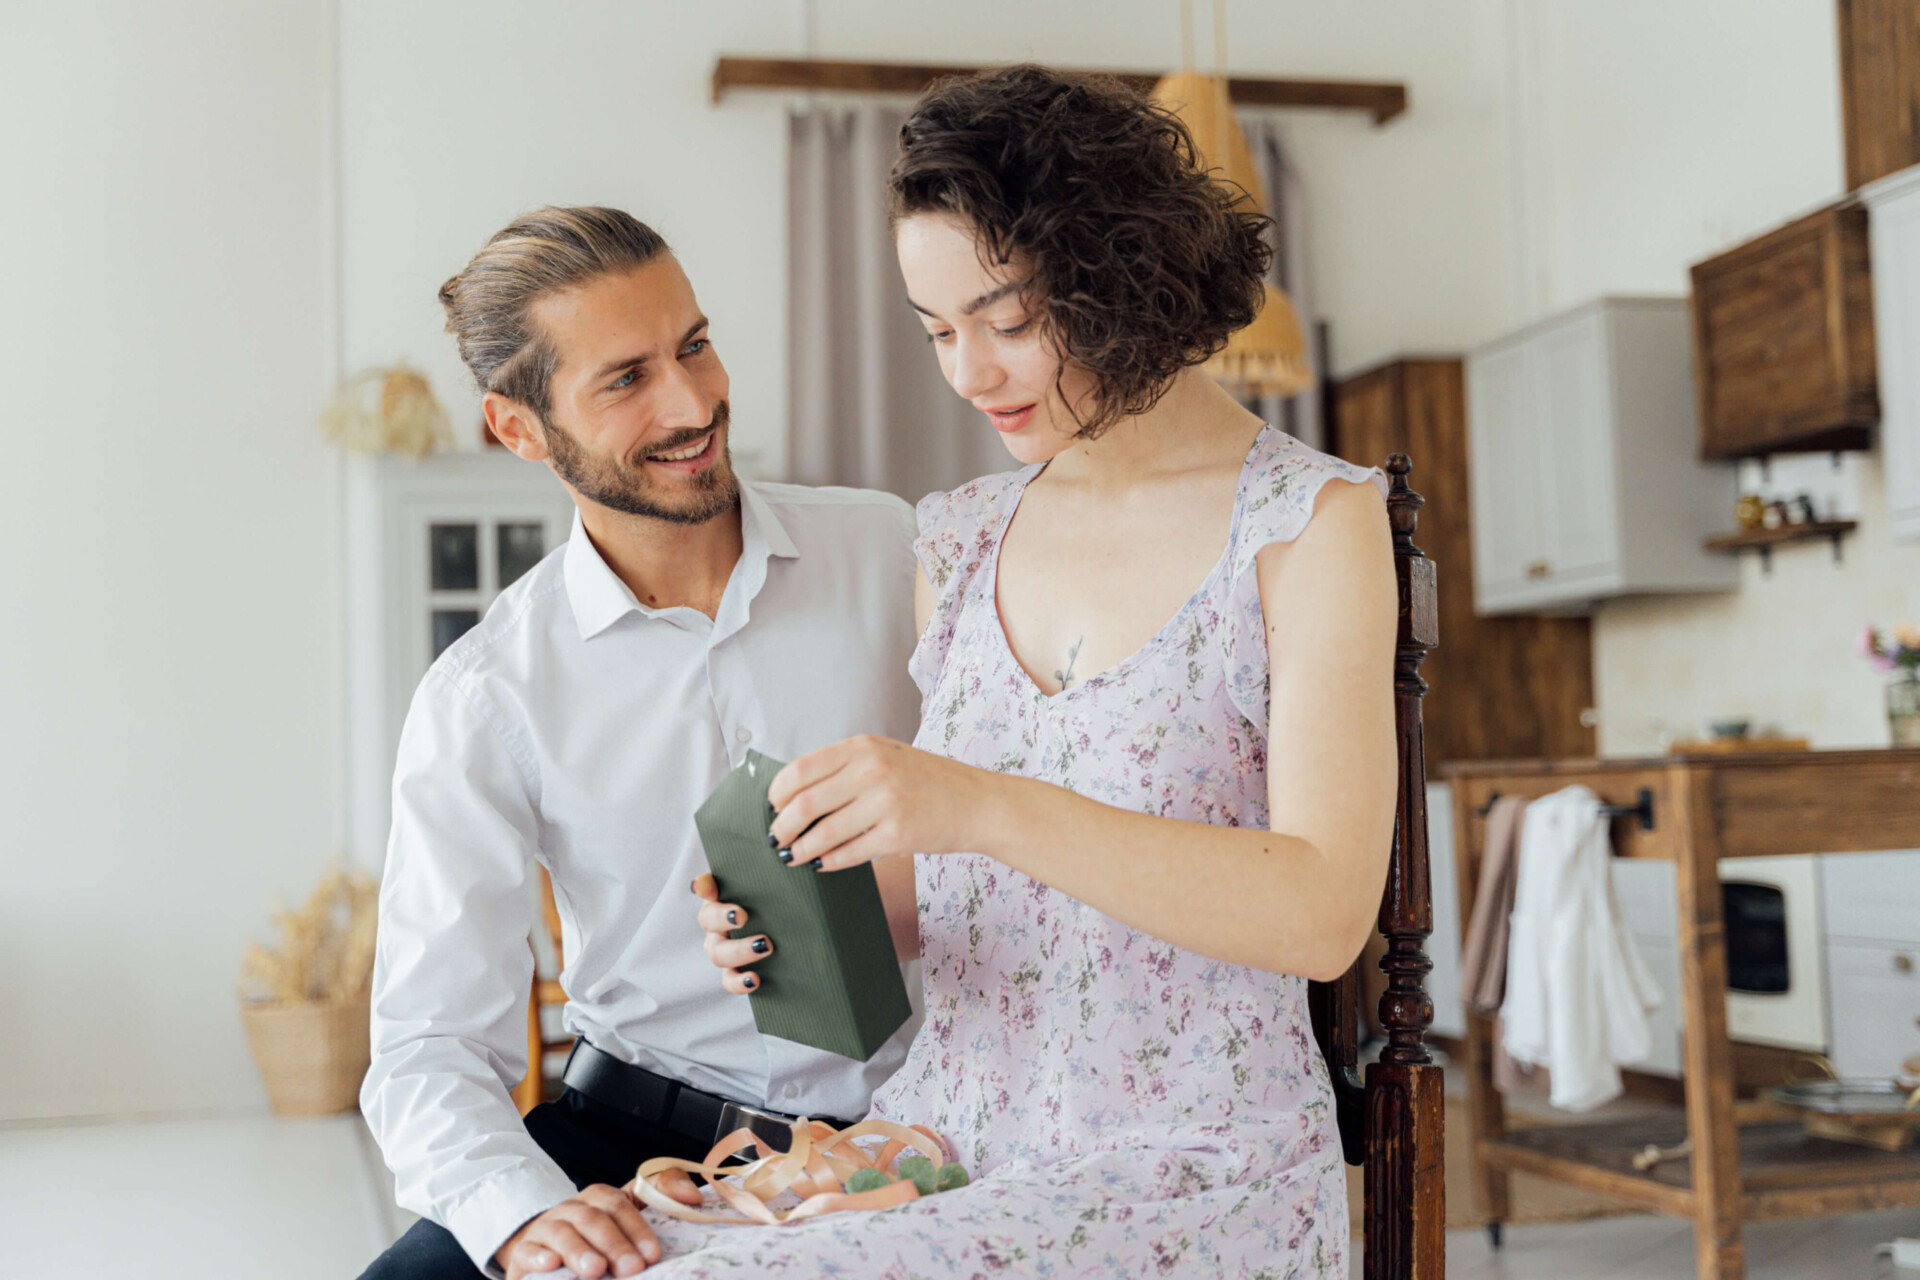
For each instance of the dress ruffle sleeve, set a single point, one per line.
(959, 529)
(1277, 494)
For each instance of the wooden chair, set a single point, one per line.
(1392, 1122)
(532, 1090)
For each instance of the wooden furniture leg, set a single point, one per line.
(531, 1091)
(1719, 1253)
(1489, 1119)
(526, 1094)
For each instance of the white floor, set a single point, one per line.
(200, 1198)
(1652, 1248)
(224, 1198)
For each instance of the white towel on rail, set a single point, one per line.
(1578, 993)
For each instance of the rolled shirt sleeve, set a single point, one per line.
(452, 976)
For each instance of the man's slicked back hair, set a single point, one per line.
(489, 303)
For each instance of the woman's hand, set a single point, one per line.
(728, 953)
(867, 797)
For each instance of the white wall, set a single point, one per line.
(458, 115)
(169, 641)
(1647, 136)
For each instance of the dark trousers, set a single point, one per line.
(593, 1143)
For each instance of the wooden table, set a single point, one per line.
(1746, 1166)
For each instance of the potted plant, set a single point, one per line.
(1897, 652)
(304, 1001)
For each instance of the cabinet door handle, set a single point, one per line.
(1902, 962)
(1539, 569)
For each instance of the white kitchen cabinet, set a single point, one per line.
(1443, 945)
(1893, 235)
(430, 543)
(1582, 466)
(1871, 896)
(1662, 958)
(1648, 898)
(1876, 1007)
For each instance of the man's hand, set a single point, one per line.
(730, 955)
(597, 1233)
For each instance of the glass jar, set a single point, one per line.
(1903, 708)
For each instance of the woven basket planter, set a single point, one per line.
(312, 1056)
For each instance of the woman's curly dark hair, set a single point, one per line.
(1141, 263)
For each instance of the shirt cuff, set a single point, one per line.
(500, 1206)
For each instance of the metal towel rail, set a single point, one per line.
(1641, 809)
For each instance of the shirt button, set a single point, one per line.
(744, 734)
(791, 1091)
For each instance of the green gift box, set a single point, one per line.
(832, 980)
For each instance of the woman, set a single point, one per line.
(1153, 789)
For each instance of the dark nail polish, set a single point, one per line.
(773, 841)
(694, 885)
(786, 855)
(815, 864)
(733, 918)
(749, 982)
(761, 946)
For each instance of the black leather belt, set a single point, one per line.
(681, 1109)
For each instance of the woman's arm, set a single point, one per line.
(895, 873)
(1296, 899)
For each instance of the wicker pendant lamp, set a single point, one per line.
(1269, 356)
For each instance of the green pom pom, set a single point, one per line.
(867, 1180)
(950, 1176)
(919, 1170)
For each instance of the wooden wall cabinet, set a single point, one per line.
(1502, 687)
(1893, 205)
(1879, 87)
(1783, 340)
(1585, 483)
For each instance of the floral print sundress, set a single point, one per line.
(1126, 1107)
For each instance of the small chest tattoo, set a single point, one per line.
(1065, 678)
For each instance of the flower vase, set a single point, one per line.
(1903, 709)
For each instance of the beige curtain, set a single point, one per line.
(1286, 202)
(868, 404)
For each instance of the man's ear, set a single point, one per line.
(514, 425)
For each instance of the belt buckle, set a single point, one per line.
(770, 1127)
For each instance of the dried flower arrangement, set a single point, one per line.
(387, 409)
(326, 947)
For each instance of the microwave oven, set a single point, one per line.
(1776, 958)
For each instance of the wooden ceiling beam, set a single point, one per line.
(1382, 100)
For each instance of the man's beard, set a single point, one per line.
(624, 485)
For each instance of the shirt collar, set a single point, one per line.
(600, 599)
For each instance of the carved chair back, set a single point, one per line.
(1392, 1120)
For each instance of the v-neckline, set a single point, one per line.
(1153, 642)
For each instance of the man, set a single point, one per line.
(605, 694)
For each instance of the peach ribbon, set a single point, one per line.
(815, 1167)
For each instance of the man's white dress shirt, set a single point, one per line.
(578, 728)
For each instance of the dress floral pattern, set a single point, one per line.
(1127, 1107)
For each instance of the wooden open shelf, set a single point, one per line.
(1765, 540)
(1784, 1172)
(1381, 100)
